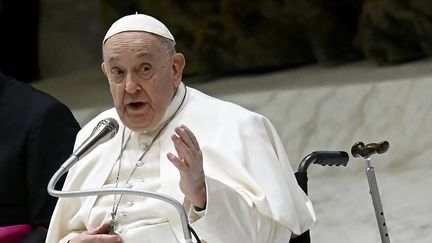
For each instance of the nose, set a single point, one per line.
(132, 83)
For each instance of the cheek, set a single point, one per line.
(117, 93)
(165, 96)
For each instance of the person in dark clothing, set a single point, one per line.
(37, 135)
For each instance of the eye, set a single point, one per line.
(116, 75)
(116, 71)
(145, 69)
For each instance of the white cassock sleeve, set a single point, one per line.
(252, 194)
(231, 219)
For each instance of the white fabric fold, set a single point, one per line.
(252, 194)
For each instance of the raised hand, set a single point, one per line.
(189, 162)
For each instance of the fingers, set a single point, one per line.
(192, 137)
(84, 238)
(189, 162)
(181, 148)
(180, 164)
(187, 137)
(102, 229)
(185, 145)
(187, 148)
(98, 235)
(107, 238)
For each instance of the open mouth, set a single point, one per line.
(137, 106)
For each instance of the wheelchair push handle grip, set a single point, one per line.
(359, 149)
(332, 158)
(324, 158)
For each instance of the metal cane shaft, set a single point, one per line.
(379, 213)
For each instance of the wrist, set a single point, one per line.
(200, 198)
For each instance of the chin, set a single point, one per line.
(138, 125)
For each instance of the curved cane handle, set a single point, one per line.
(360, 149)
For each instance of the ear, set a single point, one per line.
(177, 68)
(103, 68)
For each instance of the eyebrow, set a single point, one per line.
(145, 55)
(113, 58)
(140, 55)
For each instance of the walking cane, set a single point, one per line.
(365, 151)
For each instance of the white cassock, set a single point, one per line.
(252, 194)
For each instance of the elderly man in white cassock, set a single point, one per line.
(226, 165)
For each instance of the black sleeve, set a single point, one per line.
(50, 143)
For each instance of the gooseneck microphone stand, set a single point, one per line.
(105, 130)
(365, 151)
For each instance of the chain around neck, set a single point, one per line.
(139, 162)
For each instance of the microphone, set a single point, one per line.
(104, 131)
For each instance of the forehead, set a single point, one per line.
(141, 44)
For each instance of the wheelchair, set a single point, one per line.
(324, 158)
(340, 158)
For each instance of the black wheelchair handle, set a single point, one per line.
(324, 158)
(365, 151)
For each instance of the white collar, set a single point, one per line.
(175, 104)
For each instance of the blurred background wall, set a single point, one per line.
(45, 38)
(326, 73)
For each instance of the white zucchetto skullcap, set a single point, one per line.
(138, 22)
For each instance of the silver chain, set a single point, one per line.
(137, 164)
